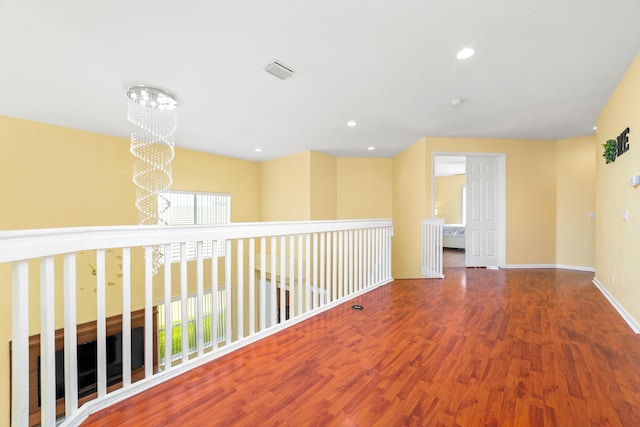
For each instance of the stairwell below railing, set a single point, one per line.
(242, 282)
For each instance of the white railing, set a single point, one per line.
(432, 248)
(302, 268)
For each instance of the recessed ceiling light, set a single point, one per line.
(465, 53)
(352, 123)
(258, 150)
(456, 103)
(595, 127)
(371, 148)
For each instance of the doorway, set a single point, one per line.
(469, 193)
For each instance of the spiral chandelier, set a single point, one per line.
(154, 112)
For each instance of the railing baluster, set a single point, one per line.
(381, 255)
(308, 282)
(47, 343)
(354, 262)
(101, 322)
(383, 231)
(272, 289)
(283, 277)
(168, 311)
(299, 290)
(184, 311)
(360, 259)
(367, 257)
(20, 344)
(385, 252)
(148, 312)
(70, 338)
(252, 286)
(340, 264)
(126, 317)
(263, 283)
(323, 288)
(334, 266)
(240, 288)
(200, 297)
(215, 304)
(227, 293)
(351, 252)
(387, 248)
(376, 266)
(292, 280)
(371, 255)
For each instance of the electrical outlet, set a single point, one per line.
(625, 215)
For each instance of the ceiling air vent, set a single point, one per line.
(279, 70)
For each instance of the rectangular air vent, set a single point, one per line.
(279, 70)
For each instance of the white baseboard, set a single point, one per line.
(576, 267)
(530, 266)
(562, 266)
(633, 323)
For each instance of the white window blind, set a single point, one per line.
(188, 208)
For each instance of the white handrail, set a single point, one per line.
(303, 268)
(25, 244)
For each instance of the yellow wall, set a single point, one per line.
(531, 192)
(364, 188)
(531, 197)
(285, 188)
(194, 171)
(617, 242)
(410, 195)
(449, 198)
(576, 171)
(316, 186)
(323, 187)
(52, 176)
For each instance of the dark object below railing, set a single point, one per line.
(86, 333)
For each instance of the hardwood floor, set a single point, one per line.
(453, 257)
(479, 348)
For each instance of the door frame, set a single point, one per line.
(502, 195)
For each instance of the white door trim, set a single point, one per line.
(502, 196)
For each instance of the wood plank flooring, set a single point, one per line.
(453, 257)
(479, 348)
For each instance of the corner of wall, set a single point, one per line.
(575, 201)
(323, 192)
(410, 194)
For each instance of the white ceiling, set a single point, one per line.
(543, 69)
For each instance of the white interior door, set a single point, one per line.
(483, 211)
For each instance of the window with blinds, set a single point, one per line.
(188, 208)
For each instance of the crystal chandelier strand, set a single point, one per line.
(154, 112)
